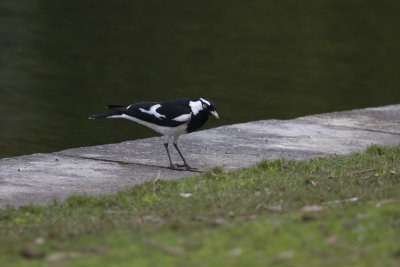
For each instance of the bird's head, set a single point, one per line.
(209, 107)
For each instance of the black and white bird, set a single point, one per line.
(171, 118)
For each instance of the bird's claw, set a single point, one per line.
(186, 166)
(178, 167)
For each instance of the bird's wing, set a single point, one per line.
(176, 111)
(162, 114)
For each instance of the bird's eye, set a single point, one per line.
(204, 106)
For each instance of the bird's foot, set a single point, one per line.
(173, 167)
(188, 167)
(179, 167)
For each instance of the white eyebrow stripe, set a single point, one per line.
(205, 101)
(153, 111)
(183, 117)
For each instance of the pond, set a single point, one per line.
(61, 61)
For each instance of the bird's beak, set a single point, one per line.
(215, 114)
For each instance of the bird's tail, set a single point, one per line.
(104, 115)
(118, 110)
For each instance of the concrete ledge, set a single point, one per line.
(39, 178)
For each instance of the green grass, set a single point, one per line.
(251, 217)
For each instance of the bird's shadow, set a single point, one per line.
(139, 164)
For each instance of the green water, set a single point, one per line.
(61, 61)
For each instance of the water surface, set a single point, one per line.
(61, 61)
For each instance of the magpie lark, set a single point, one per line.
(171, 118)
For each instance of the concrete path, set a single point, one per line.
(39, 178)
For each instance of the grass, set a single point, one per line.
(337, 211)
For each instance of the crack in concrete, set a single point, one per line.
(370, 130)
(349, 127)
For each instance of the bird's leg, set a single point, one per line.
(184, 161)
(171, 166)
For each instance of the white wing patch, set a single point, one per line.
(153, 111)
(196, 106)
(183, 117)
